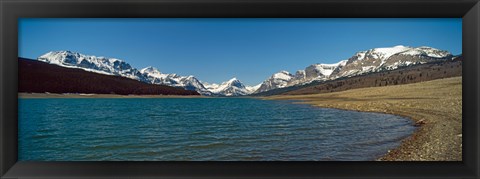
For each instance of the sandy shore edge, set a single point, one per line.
(435, 107)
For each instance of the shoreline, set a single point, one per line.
(75, 95)
(434, 106)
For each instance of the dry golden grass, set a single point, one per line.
(436, 106)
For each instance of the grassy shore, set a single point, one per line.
(54, 95)
(435, 106)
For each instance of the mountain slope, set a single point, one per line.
(363, 62)
(154, 76)
(401, 75)
(311, 73)
(277, 80)
(390, 58)
(40, 77)
(103, 65)
(316, 72)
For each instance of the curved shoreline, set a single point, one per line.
(434, 106)
(387, 156)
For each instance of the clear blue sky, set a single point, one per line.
(215, 50)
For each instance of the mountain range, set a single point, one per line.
(39, 77)
(372, 60)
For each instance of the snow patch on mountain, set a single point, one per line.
(282, 76)
(327, 69)
(427, 51)
(387, 52)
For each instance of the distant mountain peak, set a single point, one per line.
(150, 69)
(285, 75)
(232, 87)
(233, 82)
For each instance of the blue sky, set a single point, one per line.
(217, 49)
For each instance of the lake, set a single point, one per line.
(201, 129)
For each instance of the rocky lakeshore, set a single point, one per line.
(435, 107)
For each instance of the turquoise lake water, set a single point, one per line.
(201, 129)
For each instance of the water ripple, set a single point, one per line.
(221, 129)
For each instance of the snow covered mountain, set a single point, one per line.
(277, 80)
(321, 70)
(373, 60)
(311, 73)
(390, 58)
(113, 66)
(154, 76)
(232, 87)
(103, 65)
(316, 72)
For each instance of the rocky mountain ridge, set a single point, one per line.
(151, 75)
(372, 60)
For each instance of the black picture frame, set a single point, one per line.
(11, 10)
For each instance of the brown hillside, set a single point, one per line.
(40, 77)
